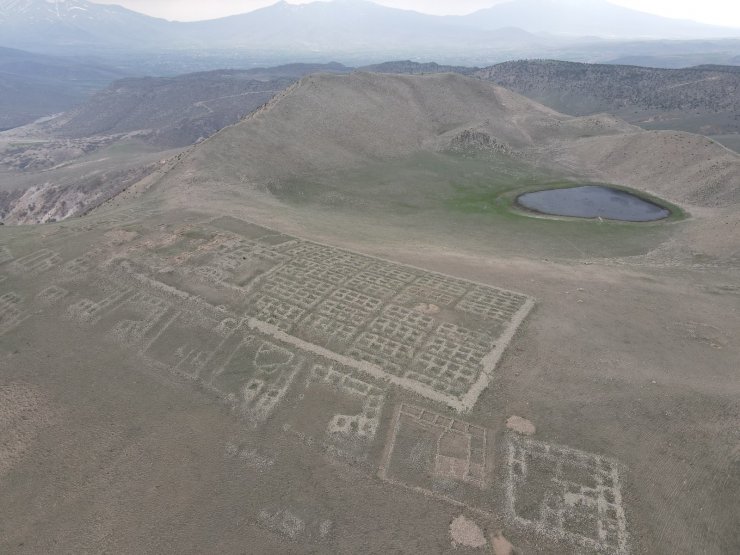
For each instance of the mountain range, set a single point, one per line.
(348, 26)
(594, 18)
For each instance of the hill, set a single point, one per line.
(178, 111)
(65, 165)
(170, 111)
(371, 116)
(133, 119)
(702, 99)
(35, 85)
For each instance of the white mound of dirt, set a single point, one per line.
(464, 532)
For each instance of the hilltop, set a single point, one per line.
(328, 122)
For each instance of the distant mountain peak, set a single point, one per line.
(592, 18)
(360, 30)
(20, 6)
(22, 10)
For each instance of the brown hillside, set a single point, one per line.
(329, 122)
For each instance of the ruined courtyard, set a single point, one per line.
(370, 363)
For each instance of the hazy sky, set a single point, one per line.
(720, 12)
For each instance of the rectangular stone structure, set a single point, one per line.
(12, 311)
(565, 494)
(5, 254)
(36, 262)
(438, 336)
(435, 335)
(437, 455)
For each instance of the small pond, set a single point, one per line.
(593, 201)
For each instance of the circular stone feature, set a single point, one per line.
(593, 201)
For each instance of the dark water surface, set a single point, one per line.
(593, 201)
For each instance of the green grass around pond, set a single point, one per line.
(503, 201)
(471, 199)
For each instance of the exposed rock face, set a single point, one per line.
(49, 202)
